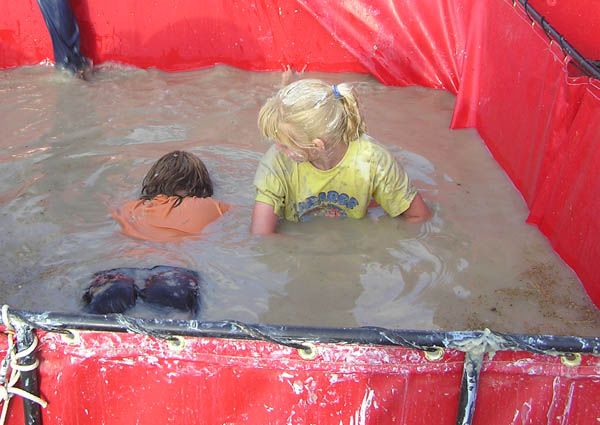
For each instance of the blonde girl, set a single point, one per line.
(323, 163)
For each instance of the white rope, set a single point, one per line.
(8, 388)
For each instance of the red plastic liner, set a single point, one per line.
(539, 118)
(117, 378)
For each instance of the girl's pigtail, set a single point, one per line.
(355, 125)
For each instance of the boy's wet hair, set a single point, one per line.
(312, 109)
(177, 173)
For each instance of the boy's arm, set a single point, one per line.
(264, 219)
(418, 211)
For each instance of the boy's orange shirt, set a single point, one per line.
(158, 220)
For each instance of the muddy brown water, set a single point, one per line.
(71, 150)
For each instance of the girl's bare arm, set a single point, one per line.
(264, 219)
(418, 211)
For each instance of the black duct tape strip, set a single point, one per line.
(291, 335)
(589, 67)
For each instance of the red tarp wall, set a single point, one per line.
(117, 378)
(539, 119)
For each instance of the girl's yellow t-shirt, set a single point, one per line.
(366, 172)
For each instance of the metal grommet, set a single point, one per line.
(309, 352)
(437, 353)
(176, 343)
(71, 337)
(571, 359)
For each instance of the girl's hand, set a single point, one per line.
(418, 211)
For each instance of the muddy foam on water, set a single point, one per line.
(71, 150)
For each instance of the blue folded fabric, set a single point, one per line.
(117, 290)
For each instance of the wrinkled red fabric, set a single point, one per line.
(578, 21)
(539, 118)
(541, 125)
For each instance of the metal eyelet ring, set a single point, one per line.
(437, 353)
(571, 359)
(71, 337)
(176, 343)
(309, 352)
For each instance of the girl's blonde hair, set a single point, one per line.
(312, 109)
(177, 173)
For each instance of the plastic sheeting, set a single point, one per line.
(181, 35)
(537, 116)
(122, 378)
(578, 21)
